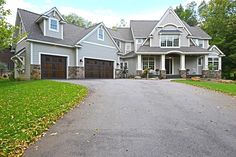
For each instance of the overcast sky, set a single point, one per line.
(108, 11)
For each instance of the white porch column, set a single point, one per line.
(139, 62)
(182, 62)
(219, 63)
(163, 59)
(205, 62)
(77, 57)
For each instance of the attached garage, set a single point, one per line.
(53, 67)
(98, 69)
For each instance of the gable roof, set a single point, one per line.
(72, 33)
(121, 33)
(217, 49)
(142, 28)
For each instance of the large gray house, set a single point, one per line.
(52, 48)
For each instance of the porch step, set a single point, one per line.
(172, 76)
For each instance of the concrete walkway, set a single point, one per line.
(143, 118)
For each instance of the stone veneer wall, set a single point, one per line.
(162, 74)
(215, 74)
(182, 73)
(76, 72)
(35, 71)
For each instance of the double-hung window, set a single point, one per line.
(100, 34)
(148, 62)
(53, 24)
(213, 63)
(169, 40)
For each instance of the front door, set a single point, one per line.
(168, 65)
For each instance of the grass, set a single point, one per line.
(28, 108)
(228, 88)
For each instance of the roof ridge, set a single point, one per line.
(28, 11)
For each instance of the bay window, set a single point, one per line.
(213, 63)
(170, 41)
(148, 62)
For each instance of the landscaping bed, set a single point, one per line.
(228, 87)
(29, 108)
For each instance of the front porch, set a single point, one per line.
(175, 65)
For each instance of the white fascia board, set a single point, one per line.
(49, 43)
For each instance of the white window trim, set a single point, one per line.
(102, 34)
(57, 30)
(213, 57)
(148, 61)
(166, 43)
(201, 61)
(124, 64)
(126, 51)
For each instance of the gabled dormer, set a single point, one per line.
(51, 23)
(170, 32)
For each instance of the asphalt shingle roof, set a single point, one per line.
(142, 28)
(197, 31)
(122, 33)
(72, 33)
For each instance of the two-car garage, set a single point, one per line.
(55, 67)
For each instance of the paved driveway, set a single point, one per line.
(144, 118)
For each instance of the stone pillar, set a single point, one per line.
(205, 73)
(35, 71)
(182, 73)
(162, 74)
(76, 72)
(218, 74)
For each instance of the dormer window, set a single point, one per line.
(53, 24)
(169, 41)
(100, 34)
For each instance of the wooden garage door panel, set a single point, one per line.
(53, 67)
(98, 68)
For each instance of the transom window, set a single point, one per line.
(53, 24)
(148, 62)
(213, 63)
(100, 34)
(170, 41)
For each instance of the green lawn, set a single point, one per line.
(28, 108)
(228, 88)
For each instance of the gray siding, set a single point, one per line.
(191, 64)
(53, 50)
(132, 64)
(97, 52)
(93, 38)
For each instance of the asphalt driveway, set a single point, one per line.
(142, 118)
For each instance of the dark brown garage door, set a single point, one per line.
(98, 69)
(53, 67)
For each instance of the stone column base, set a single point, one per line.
(139, 72)
(118, 73)
(205, 73)
(182, 73)
(162, 74)
(215, 74)
(75, 72)
(35, 71)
